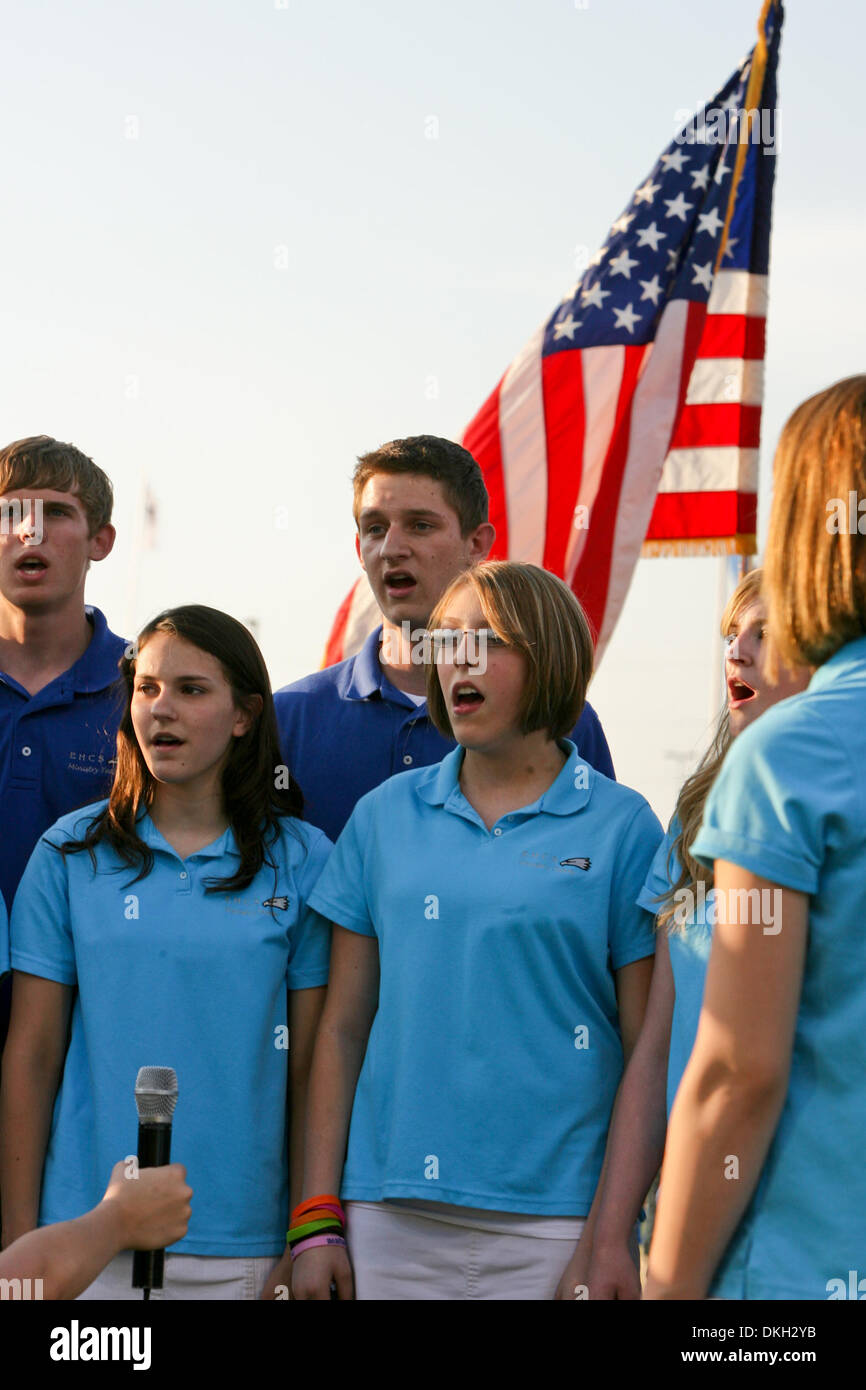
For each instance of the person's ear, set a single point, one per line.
(481, 542)
(102, 542)
(246, 717)
(358, 550)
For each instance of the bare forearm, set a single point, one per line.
(718, 1139)
(334, 1074)
(634, 1149)
(66, 1257)
(26, 1103)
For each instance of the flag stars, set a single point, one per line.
(676, 160)
(598, 257)
(721, 171)
(566, 328)
(710, 222)
(673, 260)
(595, 296)
(626, 318)
(703, 275)
(621, 223)
(730, 244)
(647, 192)
(700, 177)
(622, 265)
(650, 236)
(651, 289)
(677, 207)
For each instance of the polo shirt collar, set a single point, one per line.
(849, 658)
(368, 679)
(97, 667)
(441, 787)
(148, 832)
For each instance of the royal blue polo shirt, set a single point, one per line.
(57, 747)
(495, 1053)
(347, 728)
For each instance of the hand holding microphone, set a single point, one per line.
(155, 1099)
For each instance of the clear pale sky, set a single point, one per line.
(233, 258)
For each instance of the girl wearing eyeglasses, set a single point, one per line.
(489, 974)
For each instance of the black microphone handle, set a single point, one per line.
(154, 1151)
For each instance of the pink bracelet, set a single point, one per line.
(317, 1240)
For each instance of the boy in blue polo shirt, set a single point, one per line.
(421, 507)
(59, 695)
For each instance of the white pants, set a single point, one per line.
(187, 1277)
(398, 1256)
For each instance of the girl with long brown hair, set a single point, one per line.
(167, 922)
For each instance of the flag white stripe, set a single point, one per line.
(602, 369)
(653, 416)
(738, 292)
(728, 469)
(524, 453)
(726, 381)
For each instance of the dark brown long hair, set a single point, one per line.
(258, 790)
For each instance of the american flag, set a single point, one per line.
(630, 422)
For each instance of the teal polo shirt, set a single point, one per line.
(495, 1053)
(689, 951)
(790, 805)
(169, 975)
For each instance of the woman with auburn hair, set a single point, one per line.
(763, 1188)
(168, 921)
(489, 972)
(679, 892)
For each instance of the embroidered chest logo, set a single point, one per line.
(281, 903)
(575, 863)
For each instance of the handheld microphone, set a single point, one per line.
(155, 1099)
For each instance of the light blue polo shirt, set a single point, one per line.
(168, 975)
(689, 951)
(790, 805)
(494, 1056)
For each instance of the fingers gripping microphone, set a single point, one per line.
(155, 1099)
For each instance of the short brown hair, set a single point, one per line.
(41, 461)
(540, 616)
(815, 578)
(428, 455)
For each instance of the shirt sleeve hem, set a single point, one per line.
(759, 859)
(628, 957)
(32, 965)
(335, 912)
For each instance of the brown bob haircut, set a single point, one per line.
(41, 461)
(815, 577)
(538, 615)
(429, 456)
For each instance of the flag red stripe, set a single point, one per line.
(694, 515)
(334, 645)
(734, 335)
(483, 441)
(562, 384)
(707, 426)
(592, 575)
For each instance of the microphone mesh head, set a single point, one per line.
(156, 1093)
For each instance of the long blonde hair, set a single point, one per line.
(695, 789)
(815, 568)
